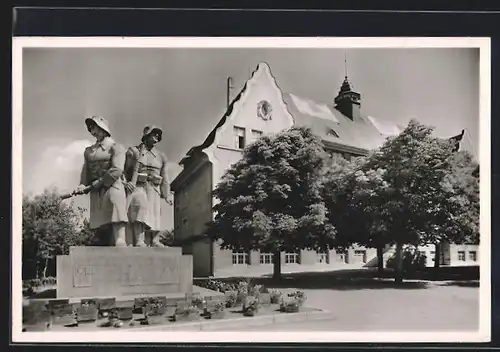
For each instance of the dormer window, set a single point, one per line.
(331, 132)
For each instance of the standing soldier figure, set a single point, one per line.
(147, 183)
(102, 177)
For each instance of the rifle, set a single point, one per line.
(75, 193)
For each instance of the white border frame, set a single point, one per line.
(483, 44)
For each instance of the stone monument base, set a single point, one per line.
(123, 271)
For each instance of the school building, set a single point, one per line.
(260, 108)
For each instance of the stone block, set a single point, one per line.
(88, 310)
(63, 314)
(123, 271)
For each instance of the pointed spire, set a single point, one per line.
(345, 64)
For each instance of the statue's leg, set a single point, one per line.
(119, 234)
(130, 236)
(156, 239)
(139, 234)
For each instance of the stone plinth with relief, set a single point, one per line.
(123, 271)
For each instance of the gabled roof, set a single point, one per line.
(332, 126)
(262, 68)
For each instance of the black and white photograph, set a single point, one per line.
(251, 189)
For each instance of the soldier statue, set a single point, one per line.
(101, 177)
(146, 186)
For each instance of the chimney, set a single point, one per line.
(229, 89)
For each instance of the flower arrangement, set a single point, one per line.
(217, 310)
(300, 296)
(292, 302)
(251, 307)
(275, 296)
(231, 298)
(242, 292)
(188, 313)
(289, 305)
(198, 302)
(255, 290)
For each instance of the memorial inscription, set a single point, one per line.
(115, 271)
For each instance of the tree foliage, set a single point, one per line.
(271, 200)
(413, 190)
(50, 227)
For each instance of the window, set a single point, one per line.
(266, 258)
(323, 258)
(433, 255)
(291, 258)
(347, 156)
(336, 154)
(473, 256)
(461, 256)
(360, 253)
(241, 258)
(256, 135)
(239, 137)
(331, 132)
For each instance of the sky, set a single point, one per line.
(184, 91)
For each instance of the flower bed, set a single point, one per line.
(241, 299)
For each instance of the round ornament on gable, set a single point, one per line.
(264, 110)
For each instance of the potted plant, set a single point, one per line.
(290, 305)
(251, 307)
(217, 311)
(300, 296)
(275, 296)
(231, 298)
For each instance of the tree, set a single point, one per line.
(348, 195)
(271, 200)
(50, 227)
(410, 191)
(461, 184)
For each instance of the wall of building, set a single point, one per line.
(192, 210)
(452, 255)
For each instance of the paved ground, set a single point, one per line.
(435, 308)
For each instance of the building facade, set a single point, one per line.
(262, 108)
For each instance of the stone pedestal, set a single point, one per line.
(123, 271)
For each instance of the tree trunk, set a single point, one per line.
(380, 258)
(277, 265)
(37, 271)
(45, 267)
(437, 256)
(398, 275)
